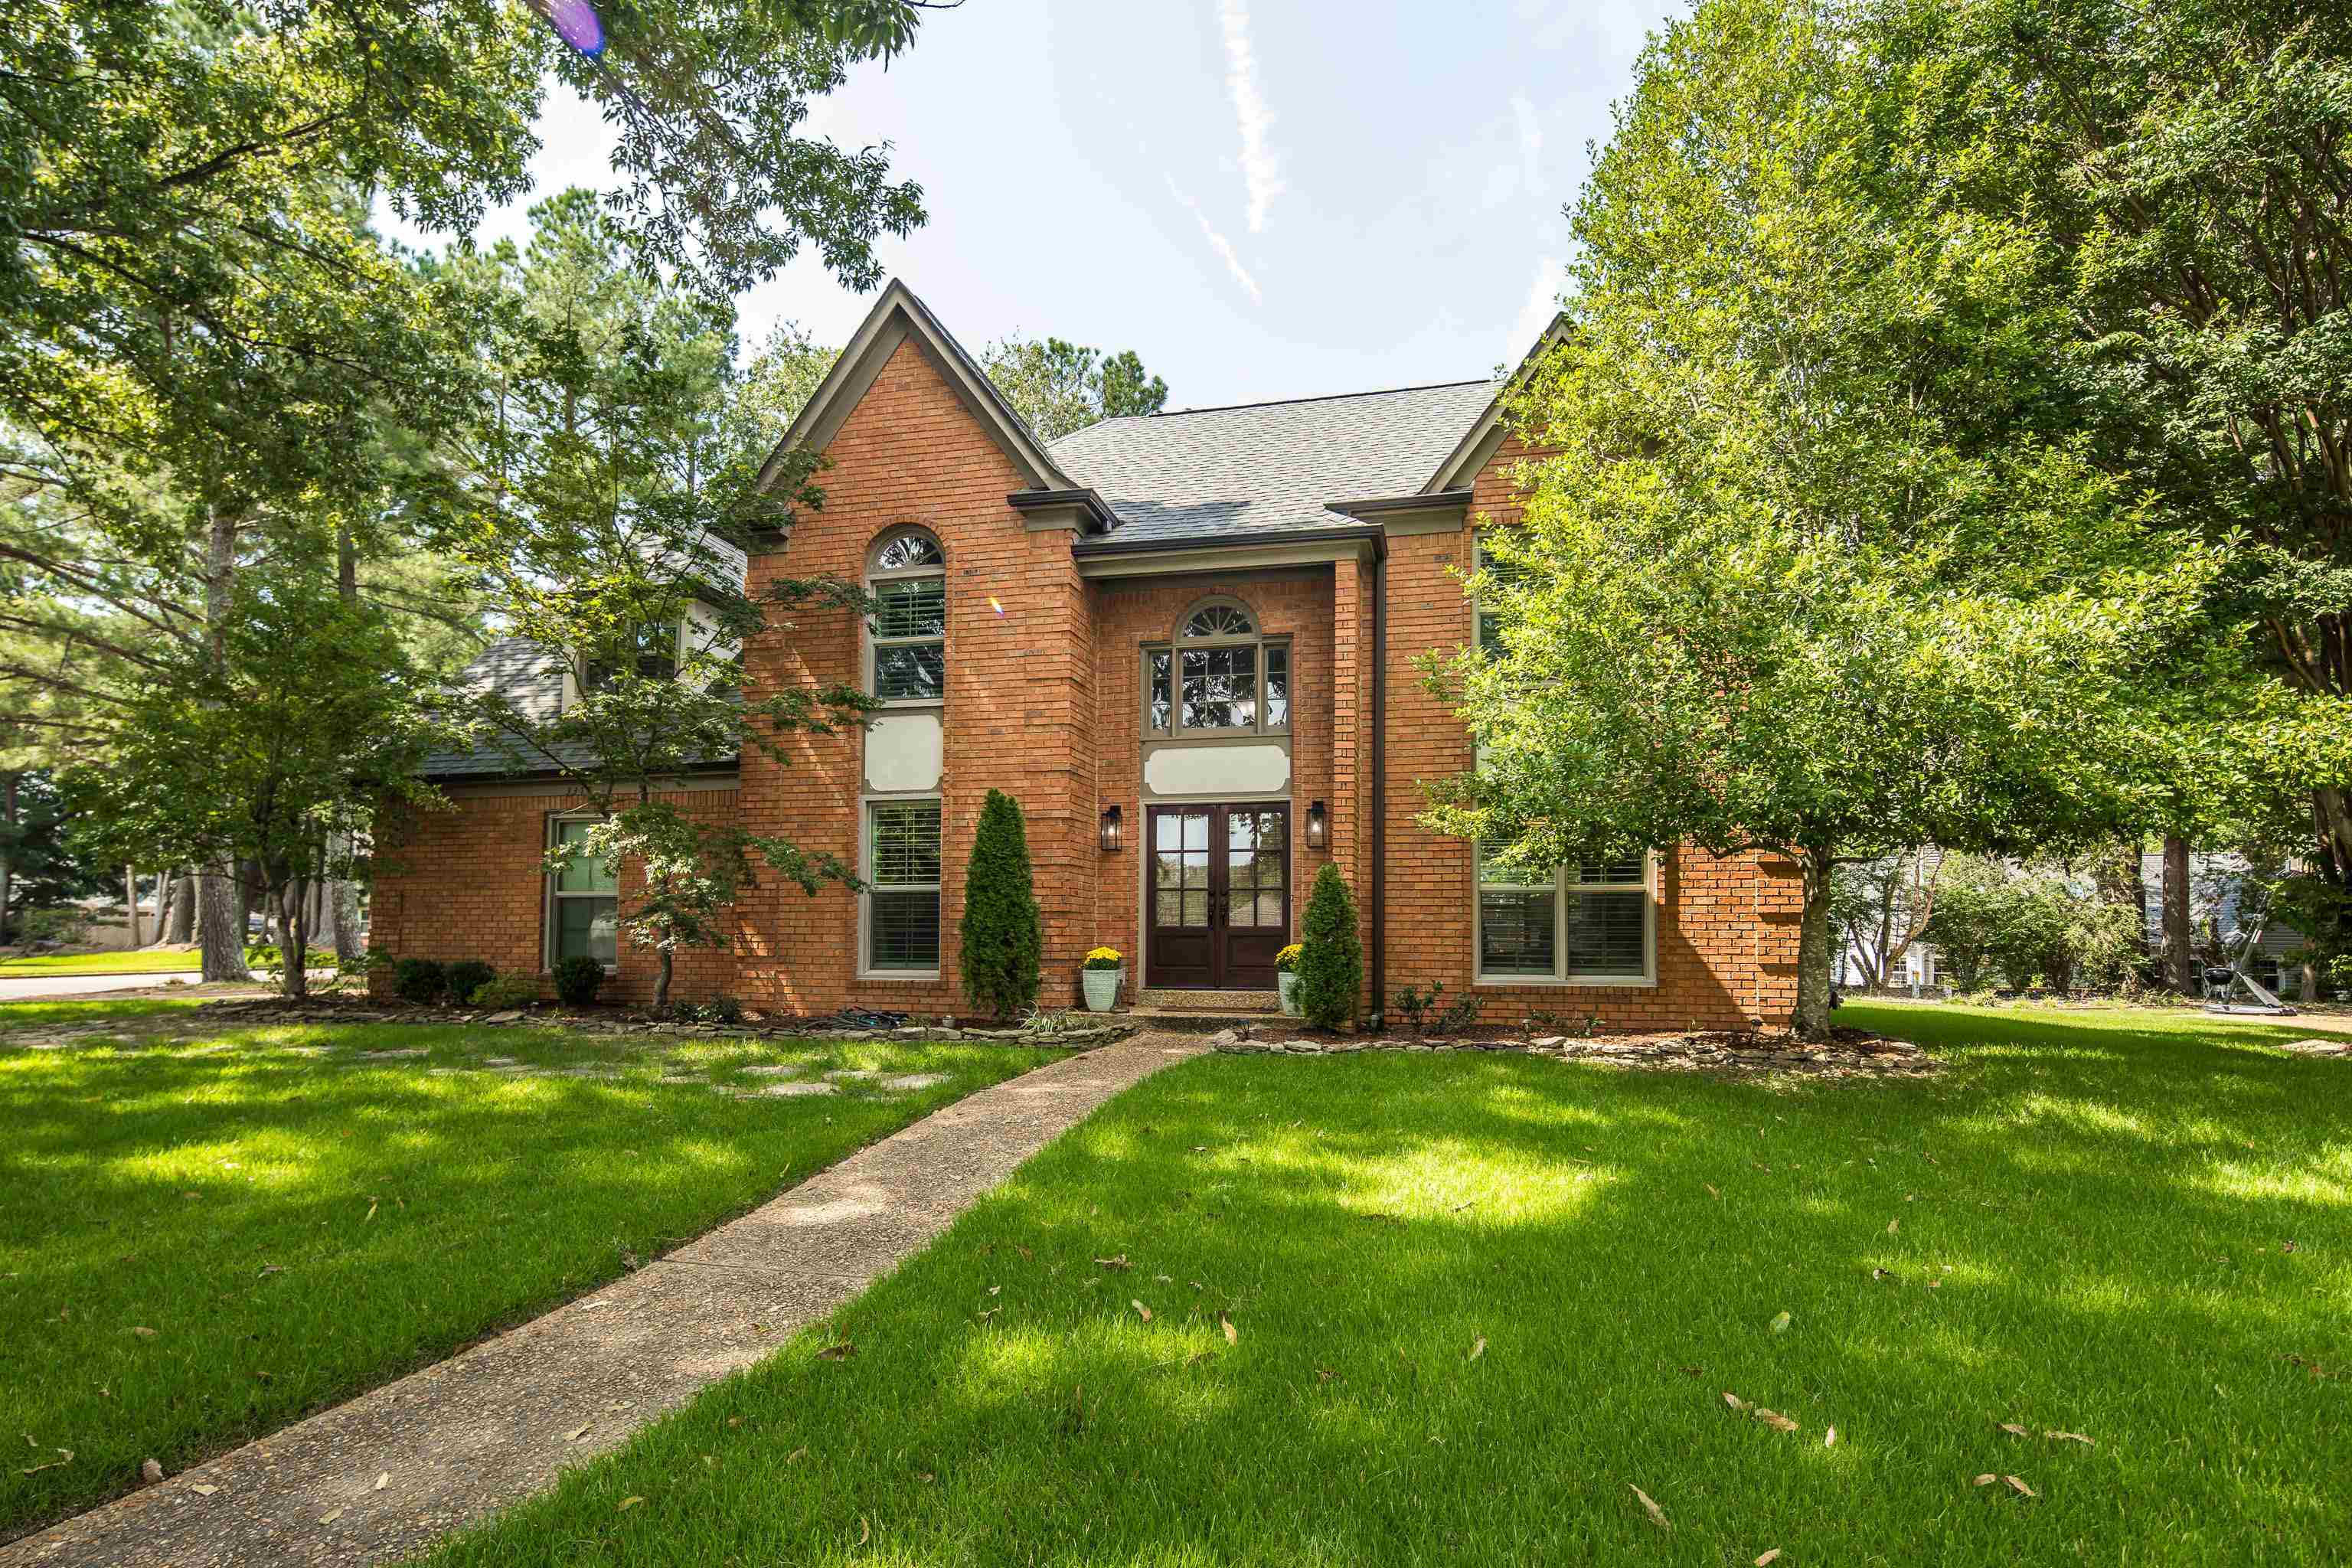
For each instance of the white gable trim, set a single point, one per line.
(898, 316)
(1478, 445)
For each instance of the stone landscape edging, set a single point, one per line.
(1852, 1054)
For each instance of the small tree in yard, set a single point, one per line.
(1000, 934)
(1331, 957)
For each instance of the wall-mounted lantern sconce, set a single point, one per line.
(1318, 830)
(1110, 830)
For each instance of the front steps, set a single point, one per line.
(1169, 1009)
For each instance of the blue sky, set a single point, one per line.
(1264, 200)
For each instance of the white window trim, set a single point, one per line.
(1175, 648)
(865, 804)
(875, 577)
(547, 954)
(575, 663)
(1560, 889)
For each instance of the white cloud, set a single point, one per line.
(1542, 305)
(1221, 244)
(1261, 174)
(1530, 144)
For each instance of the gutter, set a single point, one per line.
(1089, 502)
(1434, 500)
(1114, 545)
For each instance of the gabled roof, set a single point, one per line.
(897, 316)
(531, 680)
(1265, 469)
(1469, 455)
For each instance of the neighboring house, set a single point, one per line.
(2218, 912)
(1186, 644)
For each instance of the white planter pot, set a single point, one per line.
(1288, 985)
(1102, 987)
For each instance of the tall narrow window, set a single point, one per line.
(907, 636)
(583, 903)
(902, 874)
(1219, 677)
(1608, 919)
(1490, 621)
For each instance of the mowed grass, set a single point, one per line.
(296, 1221)
(64, 964)
(1477, 1299)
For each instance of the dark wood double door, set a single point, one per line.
(1218, 902)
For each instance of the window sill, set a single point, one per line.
(898, 977)
(909, 705)
(1573, 983)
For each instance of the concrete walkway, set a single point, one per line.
(29, 987)
(383, 1476)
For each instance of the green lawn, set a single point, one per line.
(60, 964)
(1477, 1299)
(296, 1222)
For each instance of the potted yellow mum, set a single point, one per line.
(1285, 976)
(1104, 971)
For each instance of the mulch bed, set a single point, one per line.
(1849, 1053)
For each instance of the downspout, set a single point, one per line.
(1379, 777)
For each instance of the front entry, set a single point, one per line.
(1220, 896)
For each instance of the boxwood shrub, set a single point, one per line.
(420, 979)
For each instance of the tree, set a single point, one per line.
(2180, 172)
(39, 862)
(1000, 938)
(1805, 573)
(605, 469)
(1880, 907)
(1058, 387)
(1330, 956)
(304, 720)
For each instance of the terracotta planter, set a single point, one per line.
(1102, 986)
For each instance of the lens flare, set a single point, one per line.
(576, 23)
(995, 605)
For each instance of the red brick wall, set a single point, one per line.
(1130, 612)
(1727, 929)
(1019, 708)
(467, 882)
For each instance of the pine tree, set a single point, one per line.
(1331, 960)
(1000, 933)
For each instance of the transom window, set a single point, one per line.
(1577, 924)
(1219, 676)
(902, 876)
(584, 907)
(906, 637)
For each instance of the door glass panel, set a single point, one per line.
(1269, 910)
(1168, 871)
(1241, 831)
(1168, 909)
(1241, 907)
(1196, 830)
(1196, 908)
(1170, 833)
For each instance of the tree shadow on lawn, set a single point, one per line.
(2105, 1249)
(296, 1228)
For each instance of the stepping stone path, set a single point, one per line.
(911, 1080)
(783, 1091)
(852, 1075)
(775, 1069)
(2315, 1047)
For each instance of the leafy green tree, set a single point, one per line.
(1000, 937)
(1057, 386)
(606, 466)
(1331, 955)
(39, 862)
(1806, 573)
(302, 717)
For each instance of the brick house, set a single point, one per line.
(1186, 644)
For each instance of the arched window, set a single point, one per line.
(906, 638)
(1220, 675)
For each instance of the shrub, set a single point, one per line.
(420, 979)
(468, 975)
(1331, 959)
(61, 924)
(577, 980)
(506, 991)
(720, 1009)
(1000, 934)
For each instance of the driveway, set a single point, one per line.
(27, 987)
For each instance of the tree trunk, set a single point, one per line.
(182, 924)
(345, 896)
(7, 845)
(167, 888)
(220, 927)
(661, 981)
(2179, 955)
(293, 907)
(1815, 942)
(131, 906)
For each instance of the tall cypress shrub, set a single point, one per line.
(1330, 958)
(1000, 933)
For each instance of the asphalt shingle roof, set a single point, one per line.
(1268, 468)
(530, 678)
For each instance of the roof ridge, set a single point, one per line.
(1319, 397)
